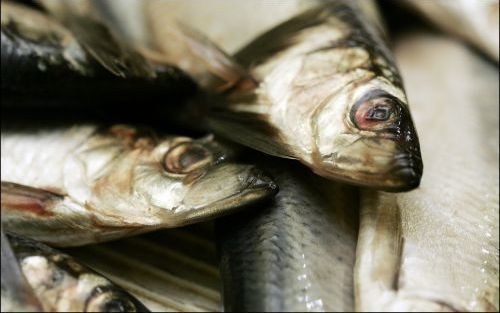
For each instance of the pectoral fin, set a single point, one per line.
(250, 129)
(28, 201)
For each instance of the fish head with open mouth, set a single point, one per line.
(374, 142)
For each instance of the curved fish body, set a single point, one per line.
(81, 184)
(80, 63)
(62, 284)
(436, 248)
(17, 295)
(296, 254)
(330, 96)
(226, 23)
(475, 21)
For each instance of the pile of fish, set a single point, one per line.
(289, 129)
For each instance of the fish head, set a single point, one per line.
(373, 142)
(195, 179)
(64, 285)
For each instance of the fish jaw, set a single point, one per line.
(225, 188)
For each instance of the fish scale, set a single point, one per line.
(449, 252)
(296, 254)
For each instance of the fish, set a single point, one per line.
(295, 254)
(226, 23)
(62, 284)
(175, 270)
(437, 248)
(476, 22)
(17, 295)
(74, 184)
(47, 63)
(182, 47)
(329, 95)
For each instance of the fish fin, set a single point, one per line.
(98, 40)
(28, 200)
(17, 294)
(280, 37)
(250, 129)
(227, 73)
(113, 55)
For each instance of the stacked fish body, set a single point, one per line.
(95, 184)
(61, 284)
(44, 60)
(297, 252)
(436, 248)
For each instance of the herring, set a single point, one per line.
(61, 284)
(435, 249)
(330, 96)
(74, 185)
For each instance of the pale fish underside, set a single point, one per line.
(436, 248)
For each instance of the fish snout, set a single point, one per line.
(227, 187)
(407, 170)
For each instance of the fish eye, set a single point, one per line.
(375, 114)
(186, 157)
(110, 302)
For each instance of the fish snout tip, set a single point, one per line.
(257, 179)
(408, 172)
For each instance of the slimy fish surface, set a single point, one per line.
(330, 96)
(81, 184)
(296, 253)
(436, 248)
(61, 284)
(46, 62)
(476, 21)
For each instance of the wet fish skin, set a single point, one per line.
(42, 57)
(330, 96)
(62, 284)
(80, 184)
(436, 248)
(17, 295)
(477, 22)
(294, 254)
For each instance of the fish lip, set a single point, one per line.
(255, 186)
(407, 169)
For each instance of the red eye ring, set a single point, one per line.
(375, 111)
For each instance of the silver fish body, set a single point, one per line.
(77, 64)
(62, 284)
(81, 184)
(174, 270)
(296, 254)
(436, 248)
(477, 22)
(330, 96)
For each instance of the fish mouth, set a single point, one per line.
(406, 172)
(228, 188)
